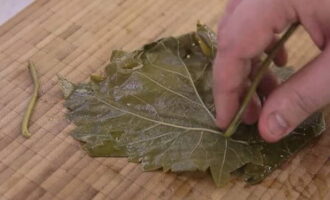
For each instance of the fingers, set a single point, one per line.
(268, 84)
(245, 35)
(291, 103)
(253, 110)
(281, 57)
(229, 85)
(231, 6)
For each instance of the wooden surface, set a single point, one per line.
(75, 38)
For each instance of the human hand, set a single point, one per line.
(246, 31)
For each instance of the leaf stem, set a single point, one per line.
(260, 73)
(33, 100)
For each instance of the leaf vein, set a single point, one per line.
(165, 88)
(159, 122)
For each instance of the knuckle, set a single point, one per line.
(302, 103)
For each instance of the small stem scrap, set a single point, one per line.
(260, 73)
(33, 100)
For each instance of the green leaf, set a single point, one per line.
(155, 106)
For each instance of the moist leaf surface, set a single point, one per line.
(155, 106)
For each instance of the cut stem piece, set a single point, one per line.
(260, 73)
(33, 100)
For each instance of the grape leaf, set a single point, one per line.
(273, 155)
(155, 106)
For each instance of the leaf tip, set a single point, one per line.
(66, 86)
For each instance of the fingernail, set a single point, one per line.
(277, 125)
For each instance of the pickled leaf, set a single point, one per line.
(155, 106)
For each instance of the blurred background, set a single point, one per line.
(9, 8)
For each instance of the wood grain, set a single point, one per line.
(74, 39)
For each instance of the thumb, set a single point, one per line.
(292, 102)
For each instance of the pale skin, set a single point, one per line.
(248, 29)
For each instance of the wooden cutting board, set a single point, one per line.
(75, 38)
